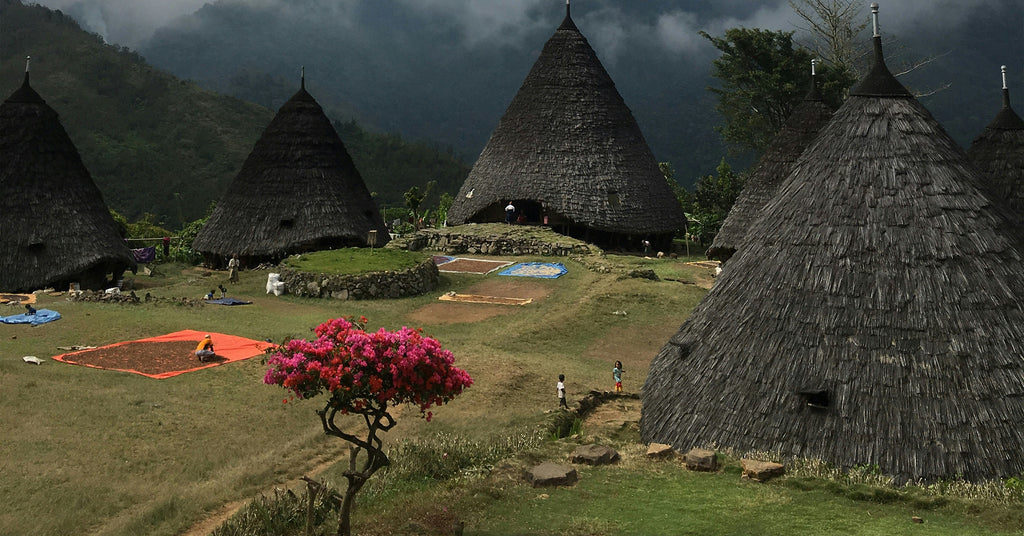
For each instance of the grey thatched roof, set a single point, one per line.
(872, 316)
(569, 143)
(297, 191)
(55, 226)
(768, 173)
(998, 152)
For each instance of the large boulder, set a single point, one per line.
(594, 455)
(701, 460)
(552, 474)
(761, 471)
(660, 450)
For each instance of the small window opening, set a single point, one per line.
(816, 399)
(613, 199)
(287, 224)
(36, 247)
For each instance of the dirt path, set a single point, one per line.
(216, 519)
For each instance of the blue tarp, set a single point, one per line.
(228, 301)
(546, 270)
(42, 316)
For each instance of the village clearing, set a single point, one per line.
(100, 452)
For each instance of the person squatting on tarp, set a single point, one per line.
(204, 350)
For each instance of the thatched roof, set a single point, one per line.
(768, 173)
(998, 152)
(569, 143)
(872, 316)
(56, 229)
(297, 191)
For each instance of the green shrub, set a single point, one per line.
(284, 514)
(444, 456)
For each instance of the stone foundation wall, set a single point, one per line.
(507, 243)
(369, 286)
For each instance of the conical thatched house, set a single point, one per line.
(771, 169)
(56, 229)
(297, 191)
(998, 152)
(872, 316)
(569, 151)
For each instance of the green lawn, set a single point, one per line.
(355, 260)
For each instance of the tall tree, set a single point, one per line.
(712, 199)
(764, 75)
(834, 27)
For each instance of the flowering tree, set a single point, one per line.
(362, 374)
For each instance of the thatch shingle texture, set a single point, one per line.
(768, 173)
(998, 152)
(56, 229)
(297, 191)
(569, 143)
(872, 316)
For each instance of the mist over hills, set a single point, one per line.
(446, 70)
(442, 71)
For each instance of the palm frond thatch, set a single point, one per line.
(872, 316)
(56, 227)
(297, 191)
(569, 145)
(770, 170)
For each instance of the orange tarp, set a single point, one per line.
(229, 347)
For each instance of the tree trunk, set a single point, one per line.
(345, 521)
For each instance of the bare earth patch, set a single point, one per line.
(472, 266)
(457, 312)
(634, 347)
(612, 416)
(145, 357)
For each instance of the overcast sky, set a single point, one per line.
(609, 22)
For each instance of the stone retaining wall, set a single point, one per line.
(502, 243)
(369, 286)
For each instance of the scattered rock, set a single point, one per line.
(761, 471)
(551, 474)
(660, 450)
(916, 519)
(701, 460)
(594, 455)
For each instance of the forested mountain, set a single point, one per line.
(157, 144)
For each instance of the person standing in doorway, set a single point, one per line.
(510, 213)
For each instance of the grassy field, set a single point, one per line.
(88, 451)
